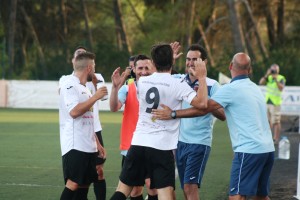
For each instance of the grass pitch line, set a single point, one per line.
(54, 168)
(30, 185)
(37, 185)
(28, 167)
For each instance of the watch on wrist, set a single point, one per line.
(173, 114)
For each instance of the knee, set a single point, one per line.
(186, 190)
(136, 191)
(100, 172)
(190, 189)
(147, 182)
(150, 191)
(72, 185)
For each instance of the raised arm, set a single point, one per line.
(117, 81)
(263, 79)
(176, 50)
(200, 101)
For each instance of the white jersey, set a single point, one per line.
(63, 79)
(75, 133)
(154, 90)
(91, 87)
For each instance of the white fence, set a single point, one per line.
(34, 94)
(44, 94)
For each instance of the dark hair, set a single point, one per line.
(174, 71)
(198, 47)
(80, 47)
(132, 58)
(85, 55)
(162, 57)
(140, 57)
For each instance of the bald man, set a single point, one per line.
(250, 133)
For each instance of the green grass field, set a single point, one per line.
(30, 158)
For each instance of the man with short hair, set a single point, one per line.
(153, 142)
(249, 129)
(131, 76)
(274, 83)
(127, 95)
(195, 135)
(79, 144)
(100, 183)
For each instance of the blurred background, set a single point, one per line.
(38, 37)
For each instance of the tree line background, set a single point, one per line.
(38, 37)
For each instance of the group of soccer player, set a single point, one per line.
(153, 136)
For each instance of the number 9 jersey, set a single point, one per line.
(154, 90)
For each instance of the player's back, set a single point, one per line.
(154, 90)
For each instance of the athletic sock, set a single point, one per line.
(67, 194)
(137, 198)
(100, 189)
(81, 194)
(150, 197)
(118, 196)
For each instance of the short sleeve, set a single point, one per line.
(122, 94)
(223, 95)
(214, 88)
(62, 80)
(70, 95)
(185, 92)
(99, 77)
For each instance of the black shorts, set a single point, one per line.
(142, 162)
(123, 160)
(100, 161)
(79, 167)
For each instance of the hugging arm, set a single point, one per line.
(214, 107)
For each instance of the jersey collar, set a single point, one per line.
(239, 77)
(188, 80)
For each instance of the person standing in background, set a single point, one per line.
(274, 84)
(131, 76)
(100, 183)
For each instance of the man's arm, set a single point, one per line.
(200, 101)
(117, 82)
(219, 114)
(211, 107)
(214, 107)
(114, 102)
(176, 50)
(280, 84)
(100, 148)
(83, 107)
(264, 79)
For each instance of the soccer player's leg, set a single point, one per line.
(100, 183)
(133, 172)
(162, 172)
(79, 173)
(250, 175)
(197, 157)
